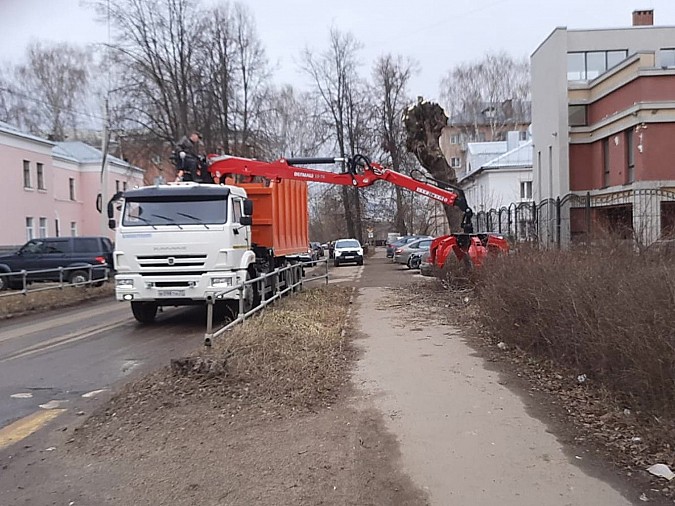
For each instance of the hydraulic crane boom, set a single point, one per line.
(361, 172)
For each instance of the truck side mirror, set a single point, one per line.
(246, 221)
(111, 224)
(248, 207)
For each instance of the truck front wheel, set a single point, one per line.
(144, 312)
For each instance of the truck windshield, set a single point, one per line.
(179, 211)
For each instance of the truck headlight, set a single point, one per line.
(124, 282)
(221, 281)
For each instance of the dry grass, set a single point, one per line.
(292, 357)
(32, 302)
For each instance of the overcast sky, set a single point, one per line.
(437, 33)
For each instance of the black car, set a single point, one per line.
(316, 246)
(74, 254)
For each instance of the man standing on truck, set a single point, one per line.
(187, 158)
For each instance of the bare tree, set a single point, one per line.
(334, 73)
(217, 97)
(424, 122)
(156, 42)
(293, 124)
(252, 73)
(43, 94)
(492, 92)
(391, 76)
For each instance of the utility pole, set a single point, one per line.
(104, 166)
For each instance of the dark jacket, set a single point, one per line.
(191, 161)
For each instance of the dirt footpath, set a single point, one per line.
(465, 439)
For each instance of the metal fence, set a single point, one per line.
(644, 215)
(270, 286)
(39, 280)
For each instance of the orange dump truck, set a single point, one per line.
(280, 219)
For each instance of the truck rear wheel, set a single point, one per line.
(252, 296)
(144, 312)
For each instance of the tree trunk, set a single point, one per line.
(399, 218)
(424, 123)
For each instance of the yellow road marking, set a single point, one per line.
(24, 427)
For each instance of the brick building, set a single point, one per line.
(603, 112)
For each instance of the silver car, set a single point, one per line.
(402, 253)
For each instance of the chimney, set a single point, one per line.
(643, 17)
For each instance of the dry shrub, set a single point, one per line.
(457, 275)
(604, 311)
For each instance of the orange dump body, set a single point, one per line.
(280, 216)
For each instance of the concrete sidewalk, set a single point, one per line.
(465, 439)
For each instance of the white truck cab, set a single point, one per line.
(177, 244)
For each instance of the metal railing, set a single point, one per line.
(291, 277)
(33, 276)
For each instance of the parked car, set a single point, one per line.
(426, 268)
(318, 248)
(402, 241)
(402, 254)
(347, 250)
(74, 254)
(310, 255)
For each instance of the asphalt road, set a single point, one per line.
(55, 358)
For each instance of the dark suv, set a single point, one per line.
(74, 254)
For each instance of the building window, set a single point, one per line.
(71, 188)
(667, 58)
(584, 66)
(57, 228)
(454, 139)
(526, 190)
(455, 162)
(117, 185)
(522, 135)
(630, 156)
(40, 176)
(605, 163)
(26, 174)
(42, 229)
(73, 229)
(30, 233)
(577, 115)
(124, 186)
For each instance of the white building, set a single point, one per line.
(498, 173)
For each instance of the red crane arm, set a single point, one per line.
(361, 173)
(281, 169)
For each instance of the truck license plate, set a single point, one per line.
(171, 293)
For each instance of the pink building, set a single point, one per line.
(49, 189)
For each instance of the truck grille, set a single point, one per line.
(178, 261)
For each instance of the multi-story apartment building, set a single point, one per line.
(603, 118)
(50, 188)
(486, 122)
